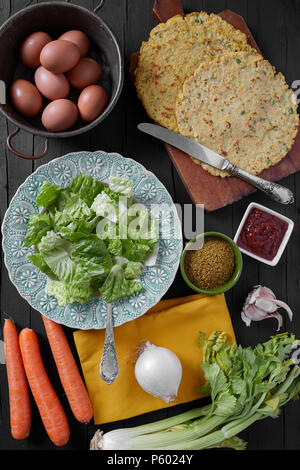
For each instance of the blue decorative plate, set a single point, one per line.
(155, 279)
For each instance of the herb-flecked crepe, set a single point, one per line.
(239, 107)
(172, 54)
(190, 81)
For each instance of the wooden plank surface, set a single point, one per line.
(275, 26)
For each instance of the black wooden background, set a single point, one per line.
(275, 25)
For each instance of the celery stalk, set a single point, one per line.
(170, 422)
(180, 434)
(215, 438)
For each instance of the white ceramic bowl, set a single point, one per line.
(283, 244)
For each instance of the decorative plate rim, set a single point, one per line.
(155, 298)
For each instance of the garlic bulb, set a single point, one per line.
(260, 304)
(158, 371)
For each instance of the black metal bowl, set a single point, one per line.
(56, 18)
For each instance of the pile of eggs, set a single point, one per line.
(60, 64)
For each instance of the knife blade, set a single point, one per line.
(195, 149)
(187, 145)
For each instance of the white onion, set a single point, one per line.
(158, 371)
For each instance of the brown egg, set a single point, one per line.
(31, 48)
(91, 102)
(60, 115)
(86, 72)
(52, 85)
(25, 98)
(59, 56)
(79, 38)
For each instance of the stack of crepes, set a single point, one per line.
(197, 75)
(174, 324)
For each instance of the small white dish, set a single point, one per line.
(283, 244)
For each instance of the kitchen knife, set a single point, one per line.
(191, 147)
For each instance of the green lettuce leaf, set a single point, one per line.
(89, 224)
(67, 293)
(104, 206)
(136, 250)
(71, 235)
(116, 286)
(64, 268)
(132, 269)
(79, 229)
(119, 184)
(75, 210)
(56, 252)
(115, 247)
(39, 261)
(48, 194)
(62, 199)
(38, 226)
(61, 265)
(86, 187)
(92, 255)
(61, 219)
(51, 241)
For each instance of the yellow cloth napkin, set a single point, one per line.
(173, 324)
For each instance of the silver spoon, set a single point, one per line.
(109, 368)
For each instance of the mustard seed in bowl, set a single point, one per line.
(212, 265)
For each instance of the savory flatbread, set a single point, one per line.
(172, 54)
(239, 107)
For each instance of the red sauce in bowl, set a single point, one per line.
(262, 234)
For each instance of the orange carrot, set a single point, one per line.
(19, 402)
(50, 408)
(70, 377)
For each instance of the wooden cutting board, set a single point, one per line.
(212, 191)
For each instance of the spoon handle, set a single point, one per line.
(109, 369)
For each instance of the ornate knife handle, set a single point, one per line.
(275, 191)
(109, 369)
